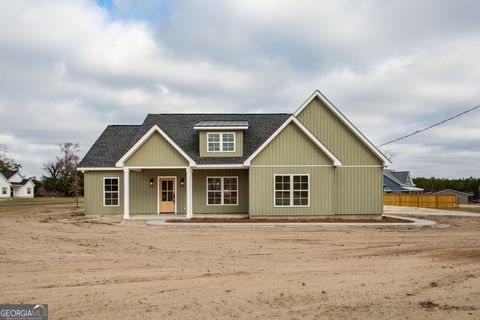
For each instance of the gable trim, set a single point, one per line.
(9, 183)
(291, 119)
(136, 146)
(392, 178)
(85, 169)
(319, 95)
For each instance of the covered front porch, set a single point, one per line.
(153, 191)
(180, 192)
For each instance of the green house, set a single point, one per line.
(313, 162)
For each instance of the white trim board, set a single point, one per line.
(98, 169)
(319, 95)
(4, 178)
(118, 192)
(220, 166)
(155, 128)
(222, 191)
(291, 190)
(291, 119)
(220, 141)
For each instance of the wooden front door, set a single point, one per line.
(167, 195)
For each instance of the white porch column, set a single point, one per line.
(126, 193)
(189, 193)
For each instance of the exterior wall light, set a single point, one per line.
(182, 182)
(151, 182)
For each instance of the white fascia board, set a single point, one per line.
(155, 128)
(318, 94)
(221, 166)
(16, 175)
(330, 155)
(222, 128)
(98, 169)
(389, 176)
(267, 142)
(336, 162)
(6, 180)
(30, 182)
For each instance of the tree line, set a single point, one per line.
(436, 184)
(60, 177)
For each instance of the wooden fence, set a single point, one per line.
(436, 201)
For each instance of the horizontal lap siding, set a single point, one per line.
(93, 188)
(262, 191)
(359, 190)
(143, 198)
(200, 191)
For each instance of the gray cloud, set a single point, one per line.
(71, 68)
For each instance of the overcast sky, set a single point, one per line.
(70, 68)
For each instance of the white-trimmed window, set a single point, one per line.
(291, 190)
(29, 190)
(4, 190)
(111, 191)
(222, 191)
(221, 142)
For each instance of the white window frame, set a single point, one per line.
(29, 191)
(5, 190)
(222, 191)
(291, 190)
(221, 141)
(118, 191)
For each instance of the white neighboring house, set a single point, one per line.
(5, 187)
(13, 184)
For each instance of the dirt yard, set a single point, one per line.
(104, 268)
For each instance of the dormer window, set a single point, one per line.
(221, 141)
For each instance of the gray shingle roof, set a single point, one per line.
(112, 144)
(400, 176)
(24, 182)
(8, 174)
(115, 141)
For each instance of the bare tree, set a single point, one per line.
(7, 164)
(75, 188)
(62, 174)
(53, 168)
(69, 159)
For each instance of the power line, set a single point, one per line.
(429, 127)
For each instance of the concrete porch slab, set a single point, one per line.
(163, 217)
(412, 222)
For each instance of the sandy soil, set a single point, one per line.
(103, 268)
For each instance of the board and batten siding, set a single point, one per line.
(358, 190)
(291, 147)
(291, 152)
(156, 151)
(262, 191)
(144, 199)
(200, 191)
(336, 136)
(203, 144)
(93, 186)
(355, 188)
